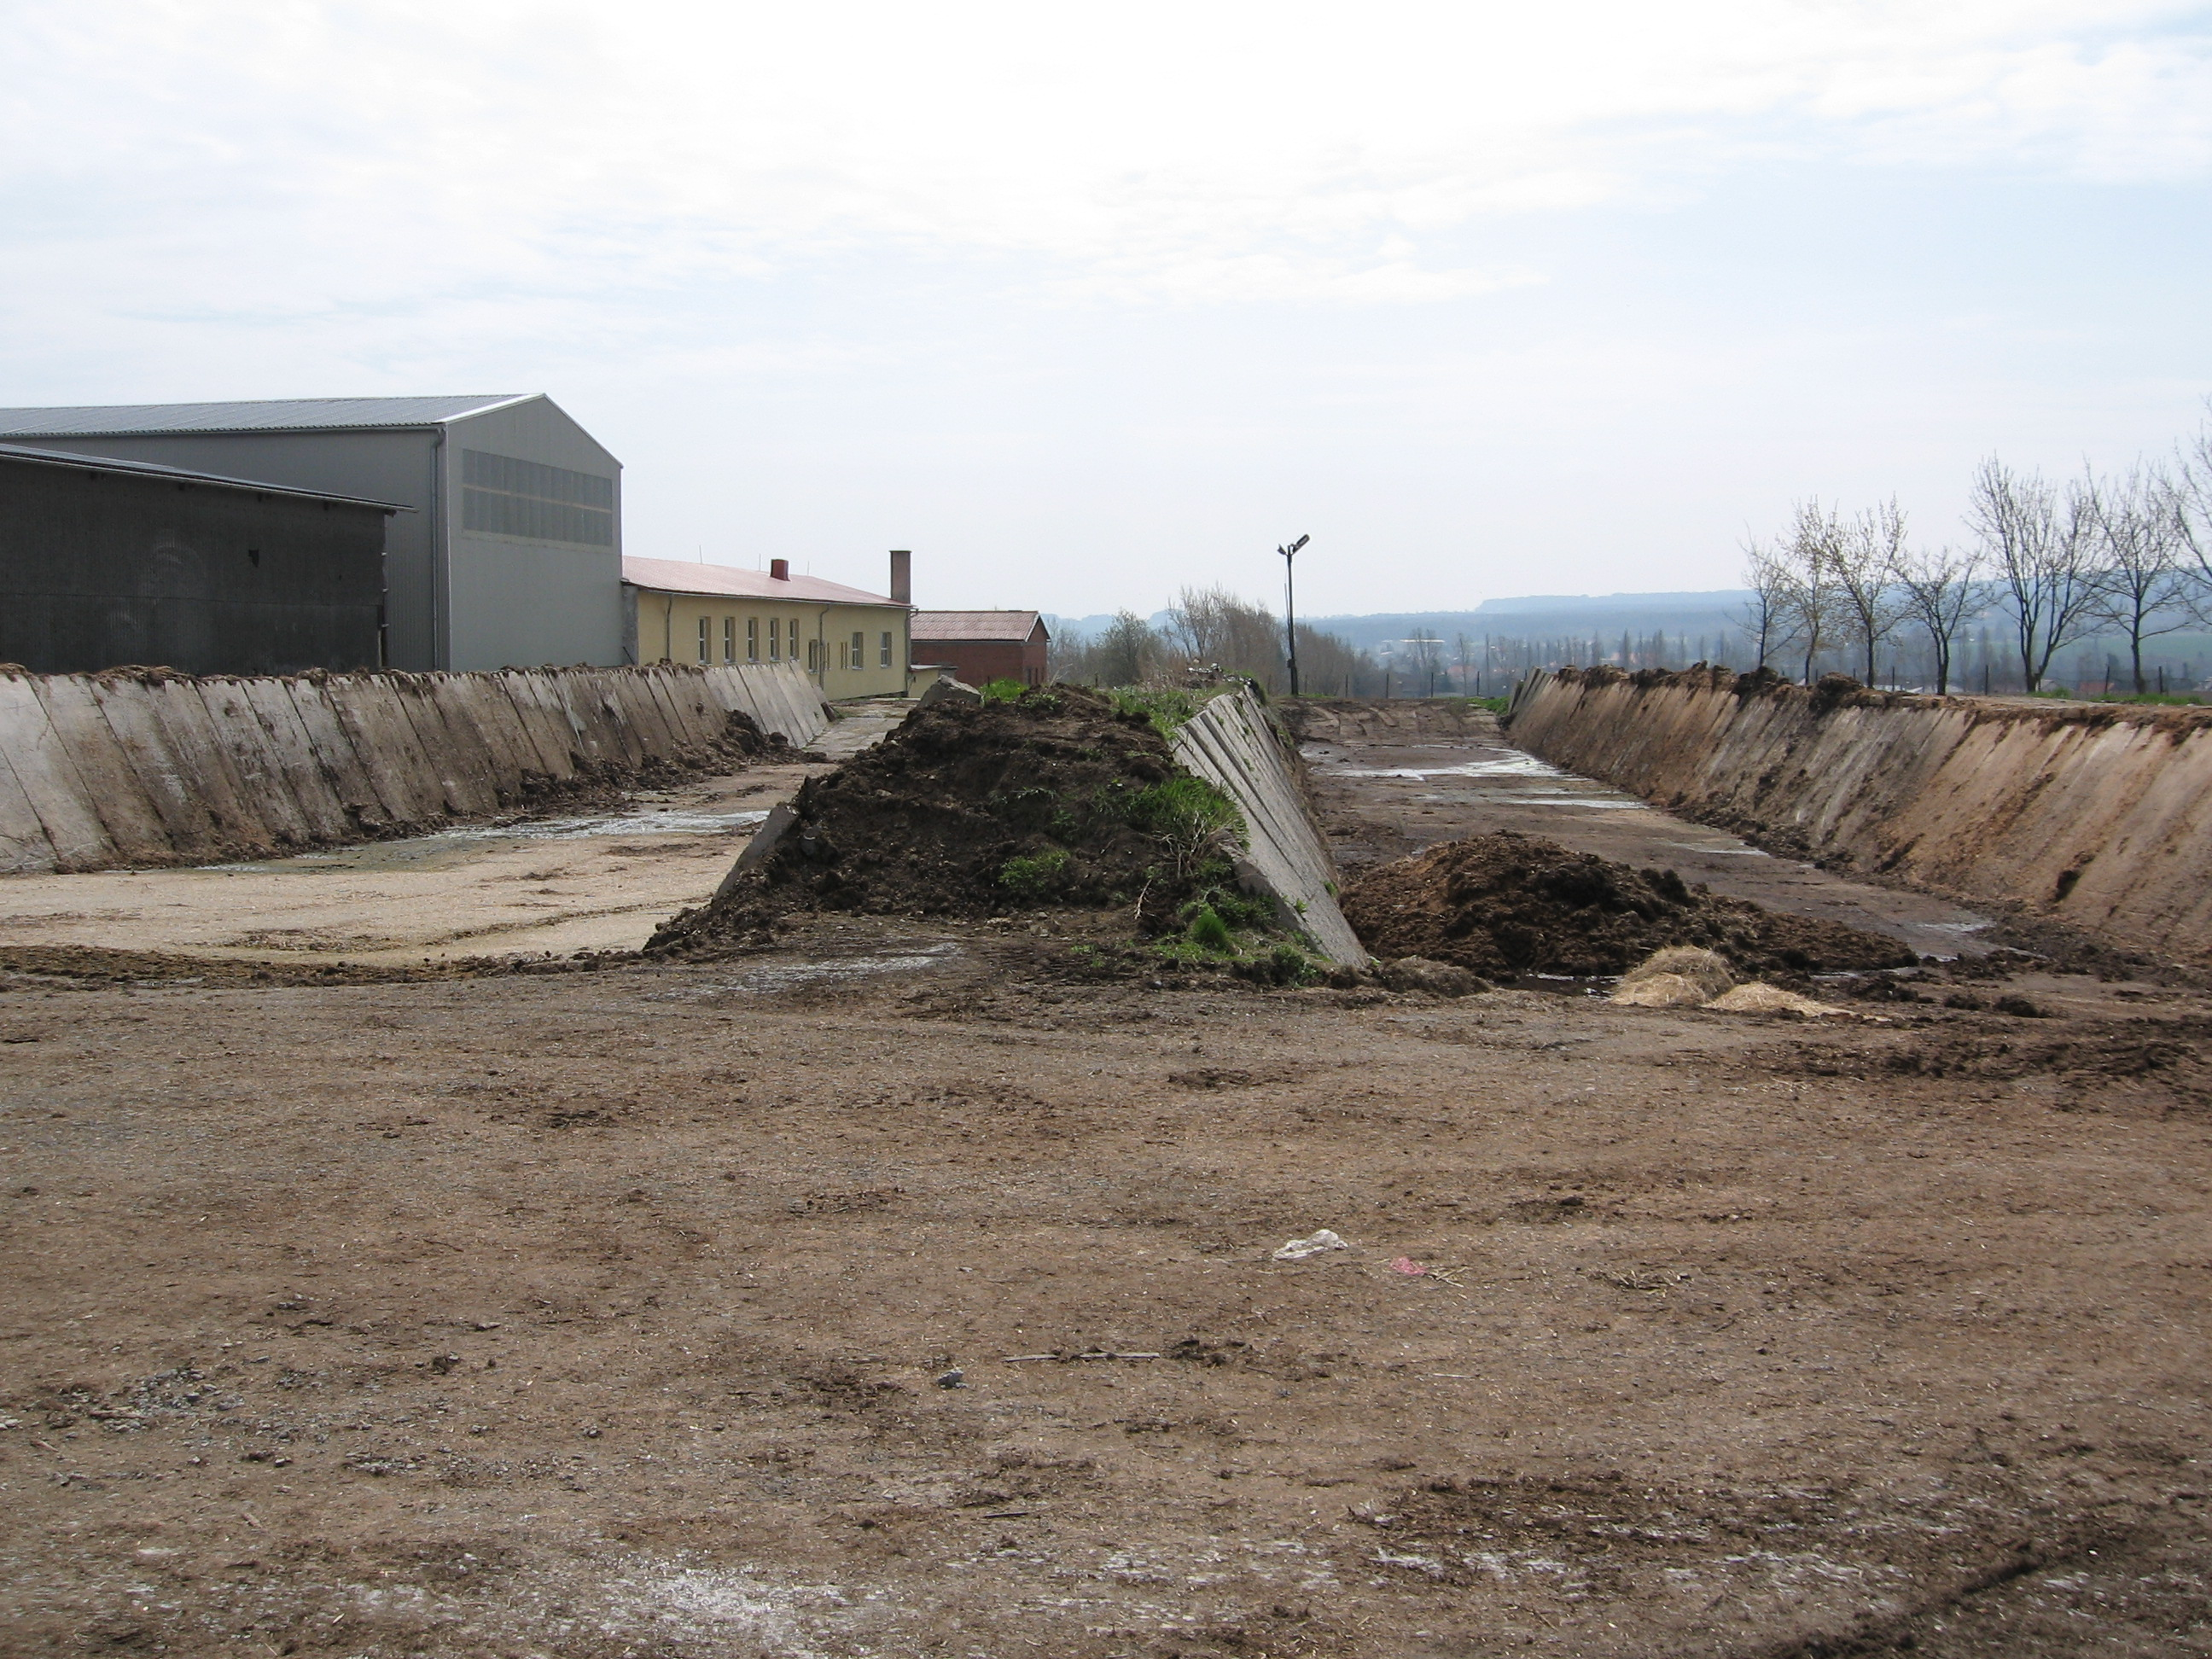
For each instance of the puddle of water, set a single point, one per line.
(781, 976)
(1543, 798)
(1563, 985)
(1505, 766)
(448, 843)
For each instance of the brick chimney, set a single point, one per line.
(779, 570)
(901, 576)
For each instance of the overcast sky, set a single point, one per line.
(1084, 303)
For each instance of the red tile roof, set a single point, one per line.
(1014, 625)
(683, 576)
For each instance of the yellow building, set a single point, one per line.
(852, 644)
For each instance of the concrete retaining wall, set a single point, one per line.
(138, 767)
(2096, 814)
(1232, 745)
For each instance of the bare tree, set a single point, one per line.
(2192, 489)
(2144, 587)
(2041, 550)
(1862, 561)
(1214, 629)
(1197, 626)
(1808, 560)
(1326, 661)
(1427, 652)
(1940, 590)
(1766, 614)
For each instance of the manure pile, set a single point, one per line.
(1506, 904)
(1056, 798)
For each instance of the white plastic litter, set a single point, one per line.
(1299, 1249)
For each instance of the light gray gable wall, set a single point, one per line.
(520, 601)
(378, 464)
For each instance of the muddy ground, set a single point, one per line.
(614, 1313)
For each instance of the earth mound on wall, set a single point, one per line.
(1506, 904)
(1054, 799)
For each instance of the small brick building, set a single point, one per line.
(982, 645)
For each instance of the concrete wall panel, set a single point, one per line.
(383, 741)
(50, 779)
(1233, 744)
(631, 696)
(23, 844)
(298, 766)
(456, 754)
(259, 765)
(483, 702)
(648, 711)
(601, 738)
(204, 764)
(543, 721)
(334, 751)
(110, 781)
(189, 828)
(697, 709)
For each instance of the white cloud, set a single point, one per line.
(277, 156)
(1079, 298)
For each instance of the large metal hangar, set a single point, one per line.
(510, 554)
(104, 562)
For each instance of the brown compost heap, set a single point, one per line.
(1055, 799)
(1504, 904)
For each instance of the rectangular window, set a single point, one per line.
(774, 634)
(503, 495)
(884, 660)
(752, 639)
(706, 624)
(860, 649)
(729, 639)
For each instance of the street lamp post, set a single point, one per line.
(1290, 607)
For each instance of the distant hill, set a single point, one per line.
(1546, 616)
(1091, 627)
(1551, 615)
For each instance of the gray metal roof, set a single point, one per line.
(63, 457)
(278, 415)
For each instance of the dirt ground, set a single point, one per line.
(907, 1289)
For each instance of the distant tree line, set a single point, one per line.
(2047, 566)
(2109, 568)
(1210, 631)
